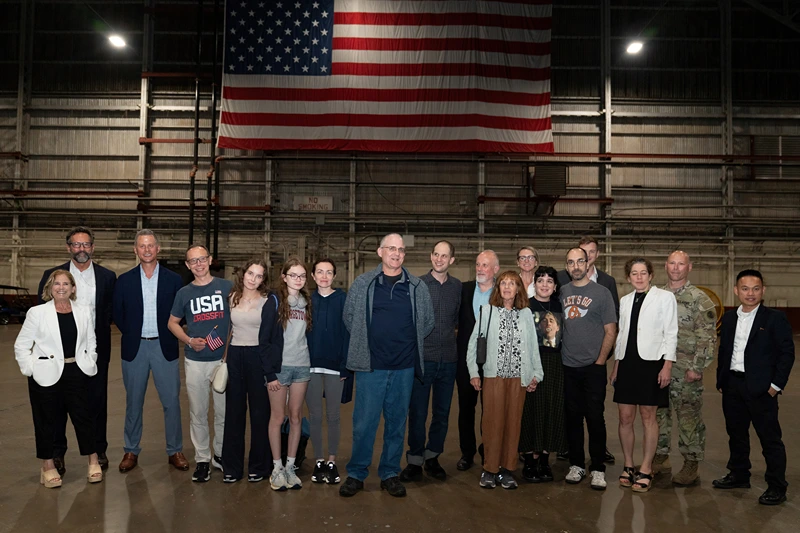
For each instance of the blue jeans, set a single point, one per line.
(441, 378)
(167, 377)
(387, 392)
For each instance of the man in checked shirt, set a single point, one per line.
(440, 370)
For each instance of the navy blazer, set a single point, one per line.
(104, 280)
(129, 311)
(768, 356)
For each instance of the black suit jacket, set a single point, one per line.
(466, 320)
(105, 280)
(768, 356)
(603, 279)
(129, 311)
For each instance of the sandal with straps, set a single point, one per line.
(50, 478)
(95, 474)
(638, 486)
(627, 478)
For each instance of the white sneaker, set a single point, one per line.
(575, 474)
(278, 479)
(598, 480)
(292, 481)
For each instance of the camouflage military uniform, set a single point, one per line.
(696, 337)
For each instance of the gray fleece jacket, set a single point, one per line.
(358, 315)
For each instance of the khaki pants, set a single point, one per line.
(503, 400)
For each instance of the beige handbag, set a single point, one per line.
(219, 379)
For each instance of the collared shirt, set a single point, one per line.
(593, 277)
(149, 295)
(743, 326)
(86, 288)
(480, 298)
(440, 345)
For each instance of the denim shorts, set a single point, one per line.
(294, 374)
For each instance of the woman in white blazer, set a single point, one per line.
(56, 349)
(512, 366)
(645, 351)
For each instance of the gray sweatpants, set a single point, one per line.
(332, 386)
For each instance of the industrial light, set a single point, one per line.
(116, 41)
(635, 47)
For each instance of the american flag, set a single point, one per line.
(213, 340)
(387, 75)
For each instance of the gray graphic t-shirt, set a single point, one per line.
(586, 310)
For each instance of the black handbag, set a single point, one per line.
(480, 356)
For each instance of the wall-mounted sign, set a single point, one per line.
(313, 203)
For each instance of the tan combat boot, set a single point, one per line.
(661, 464)
(688, 474)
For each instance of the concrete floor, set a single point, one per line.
(156, 498)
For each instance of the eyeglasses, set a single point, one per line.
(198, 260)
(526, 258)
(580, 262)
(79, 245)
(395, 249)
(296, 277)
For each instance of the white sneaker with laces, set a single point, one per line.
(598, 480)
(575, 474)
(292, 481)
(278, 479)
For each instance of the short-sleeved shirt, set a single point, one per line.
(204, 307)
(587, 310)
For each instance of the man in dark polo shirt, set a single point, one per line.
(388, 313)
(440, 371)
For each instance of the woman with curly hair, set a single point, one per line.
(254, 359)
(294, 316)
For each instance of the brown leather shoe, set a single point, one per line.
(178, 460)
(129, 462)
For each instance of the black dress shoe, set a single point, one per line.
(545, 473)
(393, 486)
(562, 456)
(411, 473)
(102, 458)
(464, 464)
(434, 469)
(609, 457)
(772, 496)
(60, 465)
(530, 470)
(731, 482)
(350, 487)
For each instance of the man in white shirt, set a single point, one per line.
(756, 355)
(94, 289)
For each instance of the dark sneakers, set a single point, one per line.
(318, 476)
(731, 482)
(772, 496)
(411, 473)
(332, 475)
(434, 469)
(202, 473)
(350, 487)
(393, 486)
(530, 471)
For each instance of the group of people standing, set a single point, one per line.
(532, 344)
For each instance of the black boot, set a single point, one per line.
(530, 471)
(545, 472)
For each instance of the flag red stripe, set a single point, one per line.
(448, 69)
(386, 95)
(444, 19)
(480, 45)
(385, 121)
(384, 146)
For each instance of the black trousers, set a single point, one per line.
(246, 384)
(98, 409)
(740, 409)
(467, 401)
(584, 398)
(51, 405)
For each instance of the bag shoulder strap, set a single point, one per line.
(489, 322)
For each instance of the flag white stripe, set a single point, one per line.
(441, 32)
(439, 57)
(452, 6)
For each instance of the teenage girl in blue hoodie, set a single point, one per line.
(327, 343)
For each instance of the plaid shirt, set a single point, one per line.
(440, 345)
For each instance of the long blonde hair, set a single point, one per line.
(47, 291)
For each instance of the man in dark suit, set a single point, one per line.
(95, 288)
(473, 295)
(143, 299)
(756, 354)
(589, 245)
